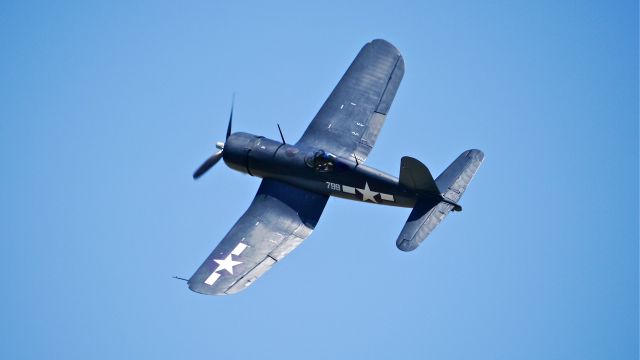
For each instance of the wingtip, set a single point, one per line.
(406, 245)
(386, 44)
(204, 289)
(476, 154)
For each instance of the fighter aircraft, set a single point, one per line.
(328, 160)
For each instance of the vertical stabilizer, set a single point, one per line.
(416, 176)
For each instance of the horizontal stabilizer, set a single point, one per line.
(455, 179)
(429, 212)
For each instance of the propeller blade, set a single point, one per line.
(213, 159)
(233, 100)
(208, 164)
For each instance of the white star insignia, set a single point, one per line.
(227, 264)
(368, 194)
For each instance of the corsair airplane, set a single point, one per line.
(328, 160)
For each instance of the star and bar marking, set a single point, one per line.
(226, 264)
(366, 192)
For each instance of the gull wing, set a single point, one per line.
(277, 221)
(351, 118)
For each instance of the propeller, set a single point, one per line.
(213, 159)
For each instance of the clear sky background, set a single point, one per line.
(108, 108)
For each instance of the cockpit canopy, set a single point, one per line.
(324, 161)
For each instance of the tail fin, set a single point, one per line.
(430, 211)
(416, 176)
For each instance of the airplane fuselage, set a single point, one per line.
(314, 170)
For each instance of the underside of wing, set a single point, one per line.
(350, 120)
(279, 219)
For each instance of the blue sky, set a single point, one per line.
(108, 107)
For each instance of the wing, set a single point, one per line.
(279, 219)
(350, 120)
